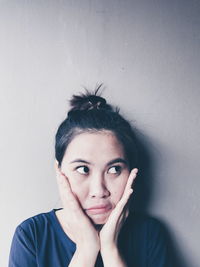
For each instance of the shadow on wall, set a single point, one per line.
(144, 189)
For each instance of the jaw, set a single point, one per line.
(99, 219)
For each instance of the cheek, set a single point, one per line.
(117, 189)
(78, 187)
(79, 190)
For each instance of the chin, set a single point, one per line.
(99, 219)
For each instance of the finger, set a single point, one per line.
(67, 196)
(125, 197)
(64, 186)
(128, 190)
(123, 216)
(124, 200)
(116, 220)
(131, 178)
(120, 209)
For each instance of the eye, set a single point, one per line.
(83, 169)
(115, 169)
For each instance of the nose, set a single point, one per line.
(98, 188)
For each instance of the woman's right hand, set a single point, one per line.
(77, 225)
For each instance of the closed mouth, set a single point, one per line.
(99, 209)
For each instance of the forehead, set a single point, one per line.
(95, 145)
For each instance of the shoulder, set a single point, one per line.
(29, 238)
(35, 223)
(40, 218)
(143, 221)
(33, 231)
(146, 229)
(145, 240)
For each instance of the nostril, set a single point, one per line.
(98, 187)
(100, 192)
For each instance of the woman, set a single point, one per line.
(96, 161)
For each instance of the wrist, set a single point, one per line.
(87, 250)
(109, 248)
(86, 255)
(82, 258)
(112, 257)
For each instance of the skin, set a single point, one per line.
(97, 174)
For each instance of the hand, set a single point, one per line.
(110, 231)
(75, 221)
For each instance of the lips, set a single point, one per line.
(99, 209)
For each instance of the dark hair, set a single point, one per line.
(90, 113)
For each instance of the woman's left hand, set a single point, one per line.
(111, 229)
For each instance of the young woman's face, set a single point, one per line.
(97, 170)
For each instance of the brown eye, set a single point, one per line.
(83, 169)
(115, 169)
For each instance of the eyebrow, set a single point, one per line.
(117, 160)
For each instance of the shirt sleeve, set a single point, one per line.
(22, 252)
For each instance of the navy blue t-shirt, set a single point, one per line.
(40, 241)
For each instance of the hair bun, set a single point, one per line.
(88, 101)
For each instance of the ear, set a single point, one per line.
(56, 166)
(58, 170)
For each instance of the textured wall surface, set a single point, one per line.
(147, 55)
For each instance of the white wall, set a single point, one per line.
(147, 55)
